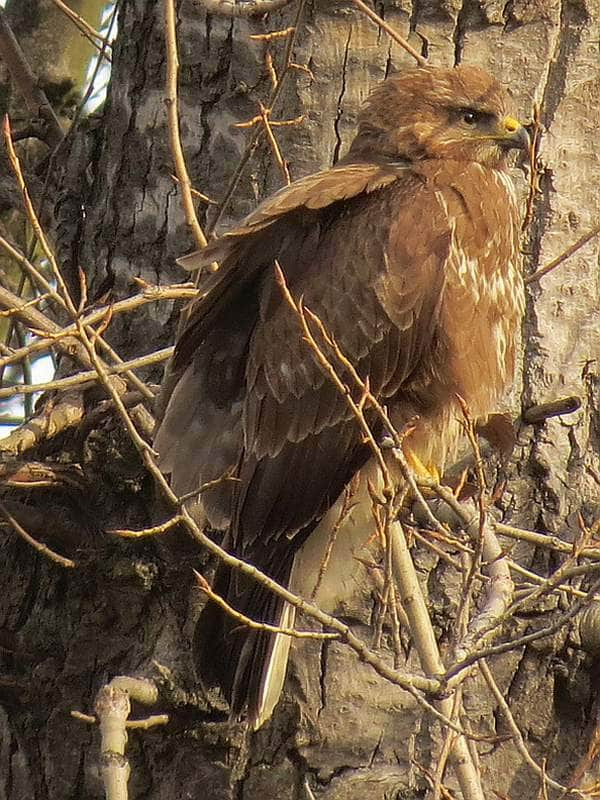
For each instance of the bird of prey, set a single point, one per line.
(407, 250)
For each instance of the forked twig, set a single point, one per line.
(90, 33)
(112, 707)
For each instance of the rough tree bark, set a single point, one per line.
(341, 729)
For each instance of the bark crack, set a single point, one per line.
(336, 124)
(414, 16)
(458, 34)
(323, 676)
(573, 18)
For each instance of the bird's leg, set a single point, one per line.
(420, 469)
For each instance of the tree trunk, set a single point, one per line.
(341, 731)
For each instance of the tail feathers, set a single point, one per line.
(261, 671)
(248, 664)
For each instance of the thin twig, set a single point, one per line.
(90, 33)
(272, 35)
(533, 153)
(253, 624)
(281, 163)
(172, 104)
(60, 384)
(256, 134)
(41, 548)
(474, 558)
(35, 301)
(155, 530)
(546, 540)
(583, 240)
(33, 218)
(421, 61)
(345, 510)
(517, 736)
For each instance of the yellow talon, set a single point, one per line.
(419, 468)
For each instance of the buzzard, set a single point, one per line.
(408, 252)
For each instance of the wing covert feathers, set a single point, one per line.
(389, 258)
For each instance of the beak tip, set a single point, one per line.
(522, 136)
(515, 135)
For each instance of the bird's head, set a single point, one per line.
(436, 113)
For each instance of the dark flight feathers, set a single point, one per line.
(288, 434)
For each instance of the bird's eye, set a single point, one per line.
(470, 117)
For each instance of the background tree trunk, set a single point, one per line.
(340, 729)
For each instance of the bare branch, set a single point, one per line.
(112, 708)
(543, 411)
(54, 418)
(171, 102)
(423, 635)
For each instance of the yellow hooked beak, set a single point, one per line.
(513, 134)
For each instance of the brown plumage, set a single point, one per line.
(407, 250)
